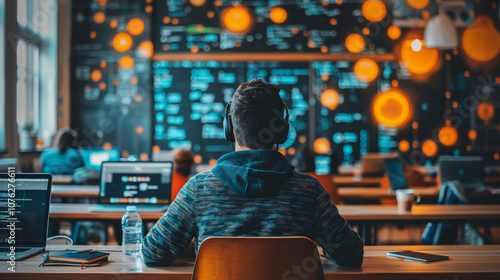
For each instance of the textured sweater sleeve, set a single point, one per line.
(332, 232)
(173, 232)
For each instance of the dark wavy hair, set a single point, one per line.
(252, 113)
(65, 139)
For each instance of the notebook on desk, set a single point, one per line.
(31, 195)
(146, 185)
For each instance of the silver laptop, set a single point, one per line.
(29, 213)
(146, 185)
(373, 164)
(468, 170)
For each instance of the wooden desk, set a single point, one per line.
(75, 191)
(61, 179)
(370, 213)
(466, 262)
(379, 193)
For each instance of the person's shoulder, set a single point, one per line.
(49, 151)
(203, 176)
(304, 178)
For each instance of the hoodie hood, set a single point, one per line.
(253, 172)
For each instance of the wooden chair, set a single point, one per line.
(257, 258)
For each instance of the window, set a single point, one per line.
(35, 41)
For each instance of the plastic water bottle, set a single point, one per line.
(132, 232)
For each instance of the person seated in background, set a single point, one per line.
(304, 163)
(183, 165)
(64, 157)
(253, 191)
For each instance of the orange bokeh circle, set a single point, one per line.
(392, 108)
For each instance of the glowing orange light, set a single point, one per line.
(99, 17)
(418, 4)
(294, 30)
(197, 159)
(139, 129)
(392, 108)
(414, 125)
(149, 9)
(146, 49)
(448, 136)
(429, 148)
(419, 62)
(324, 49)
(394, 83)
(311, 44)
(212, 162)
(103, 64)
(96, 75)
(333, 21)
(496, 156)
(414, 144)
(302, 139)
(325, 77)
(455, 104)
(107, 146)
(125, 154)
(93, 34)
(197, 3)
(330, 99)
(134, 81)
(122, 42)
(195, 49)
(321, 146)
(291, 151)
(237, 19)
(116, 82)
(143, 157)
(102, 85)
(472, 134)
(156, 149)
(404, 146)
(374, 11)
(166, 20)
(466, 74)
(138, 98)
(355, 43)
(135, 26)
(366, 31)
(447, 94)
(481, 41)
(126, 62)
(366, 70)
(210, 14)
(485, 111)
(278, 15)
(113, 23)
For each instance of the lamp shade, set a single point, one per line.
(440, 33)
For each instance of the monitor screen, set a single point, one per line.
(136, 182)
(396, 174)
(469, 171)
(30, 216)
(94, 157)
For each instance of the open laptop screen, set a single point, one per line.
(32, 200)
(136, 182)
(396, 174)
(94, 157)
(468, 170)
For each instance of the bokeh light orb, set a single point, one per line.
(237, 19)
(366, 70)
(392, 108)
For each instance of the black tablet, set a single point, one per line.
(418, 256)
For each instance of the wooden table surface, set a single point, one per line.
(466, 262)
(424, 212)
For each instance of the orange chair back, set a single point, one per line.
(257, 258)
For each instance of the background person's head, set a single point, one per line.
(304, 160)
(183, 161)
(257, 114)
(65, 139)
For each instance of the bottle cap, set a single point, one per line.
(131, 208)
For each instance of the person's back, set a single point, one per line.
(64, 158)
(52, 161)
(252, 192)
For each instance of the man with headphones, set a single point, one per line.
(253, 191)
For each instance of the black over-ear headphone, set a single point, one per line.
(279, 136)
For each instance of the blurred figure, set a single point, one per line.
(304, 163)
(63, 157)
(183, 165)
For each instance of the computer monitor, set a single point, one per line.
(373, 164)
(126, 182)
(396, 174)
(468, 170)
(29, 196)
(6, 163)
(94, 157)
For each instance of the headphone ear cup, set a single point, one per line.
(282, 136)
(228, 126)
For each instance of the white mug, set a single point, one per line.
(405, 199)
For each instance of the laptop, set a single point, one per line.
(373, 164)
(396, 174)
(146, 185)
(31, 214)
(468, 170)
(95, 156)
